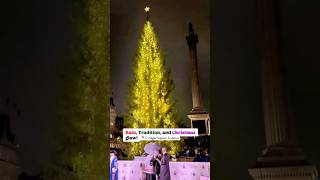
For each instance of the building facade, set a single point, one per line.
(116, 126)
(9, 160)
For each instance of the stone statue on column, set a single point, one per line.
(197, 115)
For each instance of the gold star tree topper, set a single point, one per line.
(147, 9)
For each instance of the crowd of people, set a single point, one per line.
(156, 167)
(200, 154)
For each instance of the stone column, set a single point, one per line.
(281, 159)
(277, 125)
(192, 40)
(197, 113)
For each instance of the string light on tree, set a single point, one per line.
(150, 102)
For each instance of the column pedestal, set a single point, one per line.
(307, 172)
(283, 162)
(202, 118)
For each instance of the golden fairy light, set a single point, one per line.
(151, 104)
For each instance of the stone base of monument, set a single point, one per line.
(285, 173)
(201, 120)
(283, 163)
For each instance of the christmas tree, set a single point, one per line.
(151, 104)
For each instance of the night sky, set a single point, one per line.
(170, 19)
(33, 46)
(35, 36)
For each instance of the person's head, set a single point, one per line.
(163, 150)
(201, 151)
(112, 153)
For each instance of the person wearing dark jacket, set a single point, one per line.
(164, 164)
(157, 166)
